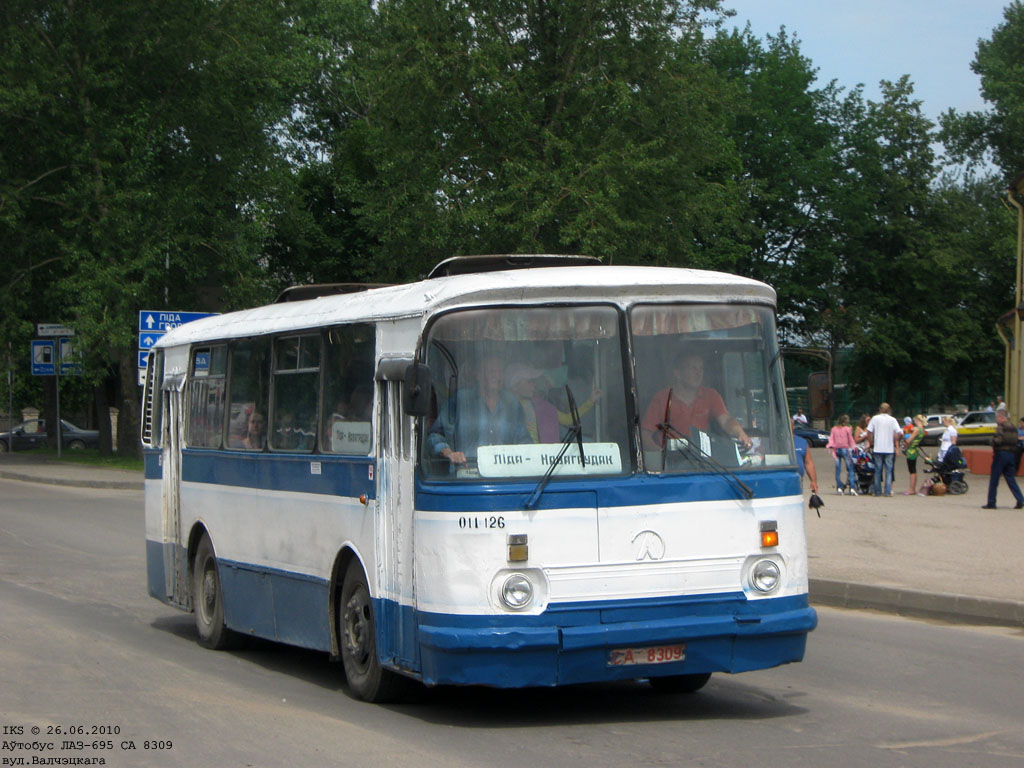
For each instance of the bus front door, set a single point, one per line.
(396, 637)
(175, 571)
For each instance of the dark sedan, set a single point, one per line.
(32, 434)
(815, 437)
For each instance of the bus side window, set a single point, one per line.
(249, 390)
(296, 384)
(206, 389)
(349, 362)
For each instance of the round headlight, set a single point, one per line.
(517, 592)
(765, 575)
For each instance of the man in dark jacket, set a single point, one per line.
(1004, 460)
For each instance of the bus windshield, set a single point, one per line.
(709, 388)
(526, 392)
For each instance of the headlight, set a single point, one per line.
(764, 576)
(517, 591)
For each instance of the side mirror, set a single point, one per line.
(416, 390)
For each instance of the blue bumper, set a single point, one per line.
(728, 635)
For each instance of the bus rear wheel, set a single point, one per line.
(367, 679)
(680, 683)
(208, 600)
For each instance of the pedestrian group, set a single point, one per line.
(867, 451)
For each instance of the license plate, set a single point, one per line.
(658, 654)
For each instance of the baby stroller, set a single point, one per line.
(949, 471)
(864, 468)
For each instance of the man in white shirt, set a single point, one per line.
(799, 419)
(883, 435)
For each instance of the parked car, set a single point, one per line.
(32, 434)
(815, 437)
(934, 428)
(977, 427)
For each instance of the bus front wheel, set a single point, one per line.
(680, 683)
(208, 600)
(367, 679)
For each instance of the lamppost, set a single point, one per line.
(1013, 384)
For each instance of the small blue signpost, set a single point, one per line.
(54, 358)
(43, 357)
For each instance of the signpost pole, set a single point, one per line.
(10, 393)
(57, 331)
(56, 373)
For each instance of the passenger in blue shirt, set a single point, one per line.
(486, 415)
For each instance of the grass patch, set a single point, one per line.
(87, 456)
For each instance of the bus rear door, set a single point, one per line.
(175, 570)
(395, 632)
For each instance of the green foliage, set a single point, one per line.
(203, 155)
(138, 145)
(527, 127)
(999, 132)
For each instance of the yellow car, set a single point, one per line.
(976, 427)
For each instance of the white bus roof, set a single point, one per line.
(619, 285)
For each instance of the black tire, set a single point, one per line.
(357, 638)
(680, 683)
(76, 445)
(957, 487)
(208, 600)
(3, 446)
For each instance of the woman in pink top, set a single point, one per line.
(840, 441)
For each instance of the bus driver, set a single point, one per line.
(693, 405)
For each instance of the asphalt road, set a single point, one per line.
(83, 648)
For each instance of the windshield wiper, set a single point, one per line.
(577, 425)
(684, 446)
(575, 433)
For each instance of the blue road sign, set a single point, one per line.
(147, 340)
(154, 323)
(69, 366)
(43, 358)
(162, 320)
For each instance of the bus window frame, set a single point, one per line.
(275, 372)
(722, 346)
(634, 446)
(190, 380)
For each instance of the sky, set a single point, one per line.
(933, 41)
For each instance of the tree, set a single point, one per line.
(971, 136)
(528, 126)
(884, 228)
(138, 153)
(785, 134)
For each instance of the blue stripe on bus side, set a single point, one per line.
(636, 490)
(279, 605)
(153, 469)
(338, 475)
(350, 476)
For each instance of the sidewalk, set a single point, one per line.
(36, 469)
(938, 556)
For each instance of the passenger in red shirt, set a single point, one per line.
(692, 405)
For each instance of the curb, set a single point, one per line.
(125, 485)
(911, 602)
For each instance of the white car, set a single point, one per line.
(933, 427)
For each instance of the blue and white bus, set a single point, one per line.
(509, 474)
